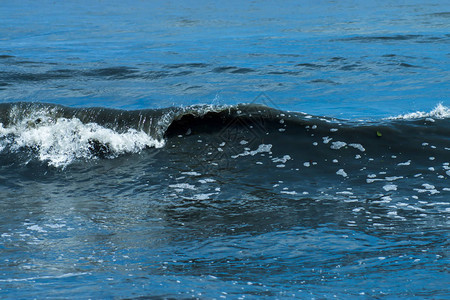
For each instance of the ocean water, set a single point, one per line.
(238, 150)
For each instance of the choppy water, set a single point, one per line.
(247, 150)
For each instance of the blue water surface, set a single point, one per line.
(346, 58)
(106, 230)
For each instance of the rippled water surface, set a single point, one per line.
(245, 150)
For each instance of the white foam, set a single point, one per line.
(407, 163)
(206, 180)
(344, 193)
(261, 149)
(326, 139)
(55, 226)
(386, 199)
(432, 192)
(338, 145)
(283, 159)
(36, 228)
(390, 187)
(63, 140)
(439, 112)
(43, 277)
(428, 186)
(393, 178)
(203, 196)
(358, 146)
(371, 180)
(289, 192)
(182, 186)
(191, 173)
(341, 172)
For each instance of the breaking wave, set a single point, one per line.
(439, 112)
(60, 135)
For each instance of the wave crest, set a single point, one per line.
(439, 112)
(61, 141)
(59, 135)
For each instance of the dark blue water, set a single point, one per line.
(235, 150)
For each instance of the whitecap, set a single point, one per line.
(64, 140)
(439, 112)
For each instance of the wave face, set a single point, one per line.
(238, 201)
(403, 157)
(60, 135)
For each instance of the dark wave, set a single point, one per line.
(109, 132)
(298, 154)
